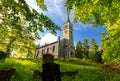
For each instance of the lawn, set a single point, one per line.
(88, 71)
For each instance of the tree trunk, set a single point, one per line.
(8, 51)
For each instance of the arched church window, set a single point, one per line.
(37, 53)
(47, 50)
(66, 26)
(42, 51)
(71, 54)
(53, 49)
(65, 31)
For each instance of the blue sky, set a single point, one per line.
(56, 12)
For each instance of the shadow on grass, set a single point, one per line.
(23, 67)
(89, 73)
(85, 72)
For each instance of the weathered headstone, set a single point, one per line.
(6, 74)
(51, 71)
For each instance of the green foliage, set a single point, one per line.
(85, 48)
(24, 68)
(98, 57)
(115, 62)
(93, 45)
(82, 61)
(20, 25)
(6, 65)
(100, 12)
(95, 11)
(41, 4)
(110, 43)
(92, 55)
(78, 50)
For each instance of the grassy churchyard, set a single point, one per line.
(87, 71)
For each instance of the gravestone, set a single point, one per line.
(6, 74)
(51, 70)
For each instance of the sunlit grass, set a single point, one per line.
(87, 72)
(24, 68)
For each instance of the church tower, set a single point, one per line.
(68, 31)
(68, 39)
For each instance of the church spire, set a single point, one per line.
(67, 13)
(68, 20)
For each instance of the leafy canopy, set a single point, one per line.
(101, 12)
(95, 11)
(20, 24)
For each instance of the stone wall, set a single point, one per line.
(50, 48)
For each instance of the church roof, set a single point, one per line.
(47, 44)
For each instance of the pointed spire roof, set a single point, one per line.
(68, 19)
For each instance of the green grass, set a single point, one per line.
(88, 71)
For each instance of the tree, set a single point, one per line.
(93, 50)
(95, 11)
(100, 12)
(93, 45)
(111, 43)
(85, 48)
(19, 21)
(79, 53)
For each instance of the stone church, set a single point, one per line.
(63, 47)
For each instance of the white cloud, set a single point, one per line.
(47, 38)
(56, 7)
(33, 4)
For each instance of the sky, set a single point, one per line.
(57, 13)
